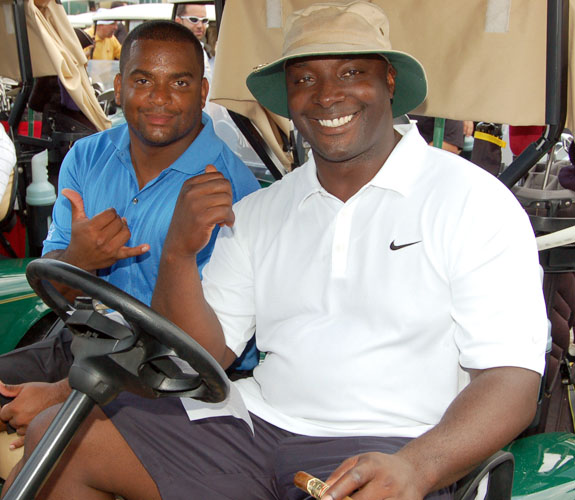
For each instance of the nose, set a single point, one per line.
(328, 92)
(160, 94)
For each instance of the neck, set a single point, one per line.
(150, 161)
(344, 179)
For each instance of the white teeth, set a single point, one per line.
(337, 122)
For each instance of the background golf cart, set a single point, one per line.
(503, 54)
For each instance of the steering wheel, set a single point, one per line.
(152, 358)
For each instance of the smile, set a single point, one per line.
(159, 119)
(336, 122)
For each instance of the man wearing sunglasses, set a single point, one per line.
(194, 17)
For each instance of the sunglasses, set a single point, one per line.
(195, 20)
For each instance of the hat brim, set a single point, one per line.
(268, 84)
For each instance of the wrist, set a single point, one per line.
(173, 254)
(62, 390)
(421, 470)
(70, 257)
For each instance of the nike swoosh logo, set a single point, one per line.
(393, 246)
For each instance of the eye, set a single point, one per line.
(303, 79)
(142, 81)
(351, 72)
(181, 83)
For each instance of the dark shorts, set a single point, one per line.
(47, 360)
(218, 458)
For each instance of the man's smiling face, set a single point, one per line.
(162, 92)
(341, 104)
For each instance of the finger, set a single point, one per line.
(114, 236)
(127, 252)
(76, 202)
(10, 390)
(106, 220)
(345, 466)
(17, 443)
(211, 174)
(6, 413)
(353, 479)
(220, 214)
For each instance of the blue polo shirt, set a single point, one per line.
(100, 169)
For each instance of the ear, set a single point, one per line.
(178, 19)
(118, 89)
(391, 73)
(204, 91)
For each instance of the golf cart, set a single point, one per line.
(545, 462)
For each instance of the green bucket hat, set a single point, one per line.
(357, 27)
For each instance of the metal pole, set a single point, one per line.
(25, 64)
(555, 92)
(46, 455)
(438, 131)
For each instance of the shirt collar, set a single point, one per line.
(399, 173)
(403, 167)
(205, 149)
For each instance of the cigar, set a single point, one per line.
(312, 485)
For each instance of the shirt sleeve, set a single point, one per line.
(228, 284)
(496, 286)
(60, 230)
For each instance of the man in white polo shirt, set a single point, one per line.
(394, 288)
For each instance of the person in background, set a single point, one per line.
(106, 45)
(121, 31)
(454, 133)
(194, 17)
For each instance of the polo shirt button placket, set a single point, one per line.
(341, 240)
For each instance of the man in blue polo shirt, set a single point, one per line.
(118, 190)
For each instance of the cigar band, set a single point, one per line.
(316, 488)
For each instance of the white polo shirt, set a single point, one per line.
(367, 309)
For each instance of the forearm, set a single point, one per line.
(69, 293)
(179, 297)
(496, 406)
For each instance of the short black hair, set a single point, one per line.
(161, 31)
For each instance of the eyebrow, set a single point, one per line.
(148, 74)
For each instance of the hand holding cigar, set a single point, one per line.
(312, 485)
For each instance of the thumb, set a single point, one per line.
(211, 169)
(18, 443)
(9, 390)
(77, 203)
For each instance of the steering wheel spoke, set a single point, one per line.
(151, 356)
